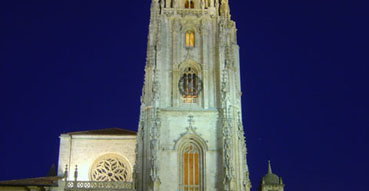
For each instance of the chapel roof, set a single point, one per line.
(39, 181)
(108, 131)
(270, 178)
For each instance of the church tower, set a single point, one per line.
(190, 135)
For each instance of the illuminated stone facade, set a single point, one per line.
(89, 157)
(190, 133)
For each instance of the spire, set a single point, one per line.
(52, 171)
(224, 9)
(155, 4)
(269, 167)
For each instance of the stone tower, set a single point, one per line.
(271, 182)
(190, 135)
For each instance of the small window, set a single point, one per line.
(189, 4)
(190, 39)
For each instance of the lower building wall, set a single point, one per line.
(24, 188)
(85, 150)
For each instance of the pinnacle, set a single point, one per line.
(269, 167)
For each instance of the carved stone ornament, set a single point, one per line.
(189, 82)
(154, 147)
(190, 85)
(111, 167)
(191, 134)
(227, 132)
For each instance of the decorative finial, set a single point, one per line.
(76, 173)
(155, 5)
(224, 9)
(66, 172)
(269, 167)
(190, 120)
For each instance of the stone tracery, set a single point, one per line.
(191, 150)
(111, 168)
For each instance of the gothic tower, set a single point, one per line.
(190, 135)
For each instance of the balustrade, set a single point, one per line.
(98, 185)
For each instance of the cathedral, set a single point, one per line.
(190, 135)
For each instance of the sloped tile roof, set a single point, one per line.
(109, 131)
(40, 181)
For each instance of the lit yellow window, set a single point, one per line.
(191, 169)
(190, 39)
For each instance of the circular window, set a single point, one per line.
(190, 85)
(111, 168)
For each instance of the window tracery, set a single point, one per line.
(191, 163)
(191, 150)
(112, 168)
(190, 85)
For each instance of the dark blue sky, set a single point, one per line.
(76, 65)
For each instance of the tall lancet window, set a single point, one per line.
(190, 39)
(191, 154)
(189, 4)
(190, 85)
(191, 168)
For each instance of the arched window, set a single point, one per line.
(190, 39)
(190, 85)
(192, 161)
(191, 168)
(189, 4)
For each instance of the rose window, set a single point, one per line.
(111, 169)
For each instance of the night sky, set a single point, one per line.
(74, 65)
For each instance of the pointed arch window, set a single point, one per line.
(192, 165)
(190, 39)
(192, 161)
(189, 4)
